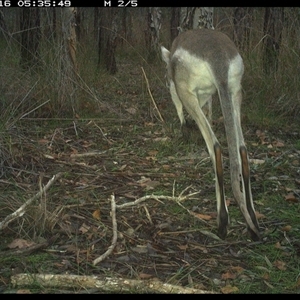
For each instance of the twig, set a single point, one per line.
(29, 112)
(157, 198)
(94, 153)
(180, 195)
(75, 129)
(13, 183)
(173, 189)
(133, 203)
(139, 200)
(148, 214)
(115, 235)
(102, 133)
(21, 211)
(149, 91)
(53, 136)
(178, 200)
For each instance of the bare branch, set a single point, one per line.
(106, 284)
(115, 235)
(157, 198)
(21, 211)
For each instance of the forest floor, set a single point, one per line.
(128, 153)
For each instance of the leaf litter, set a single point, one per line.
(155, 239)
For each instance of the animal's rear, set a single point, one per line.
(200, 63)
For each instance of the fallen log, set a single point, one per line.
(107, 284)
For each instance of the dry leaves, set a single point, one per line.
(286, 228)
(290, 197)
(280, 265)
(259, 215)
(148, 183)
(96, 214)
(145, 276)
(229, 289)
(20, 243)
(84, 228)
(232, 273)
(202, 217)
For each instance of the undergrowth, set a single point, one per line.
(137, 154)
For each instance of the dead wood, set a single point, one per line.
(115, 235)
(107, 284)
(22, 209)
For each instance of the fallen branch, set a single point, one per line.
(21, 211)
(178, 199)
(157, 198)
(115, 234)
(106, 284)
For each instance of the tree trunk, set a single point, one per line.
(273, 26)
(30, 37)
(70, 38)
(54, 23)
(242, 21)
(111, 43)
(108, 30)
(126, 27)
(186, 18)
(203, 17)
(196, 17)
(96, 22)
(3, 26)
(175, 19)
(153, 32)
(69, 72)
(101, 32)
(78, 22)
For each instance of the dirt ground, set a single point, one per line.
(128, 157)
(156, 239)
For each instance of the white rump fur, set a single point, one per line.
(202, 62)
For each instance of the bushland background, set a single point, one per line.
(83, 95)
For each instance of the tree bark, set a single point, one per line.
(108, 31)
(242, 21)
(69, 72)
(54, 24)
(3, 26)
(101, 32)
(175, 19)
(78, 22)
(203, 17)
(107, 284)
(96, 22)
(273, 27)
(186, 18)
(111, 44)
(30, 37)
(153, 32)
(196, 17)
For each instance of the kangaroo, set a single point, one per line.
(200, 63)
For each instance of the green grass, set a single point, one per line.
(274, 270)
(139, 145)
